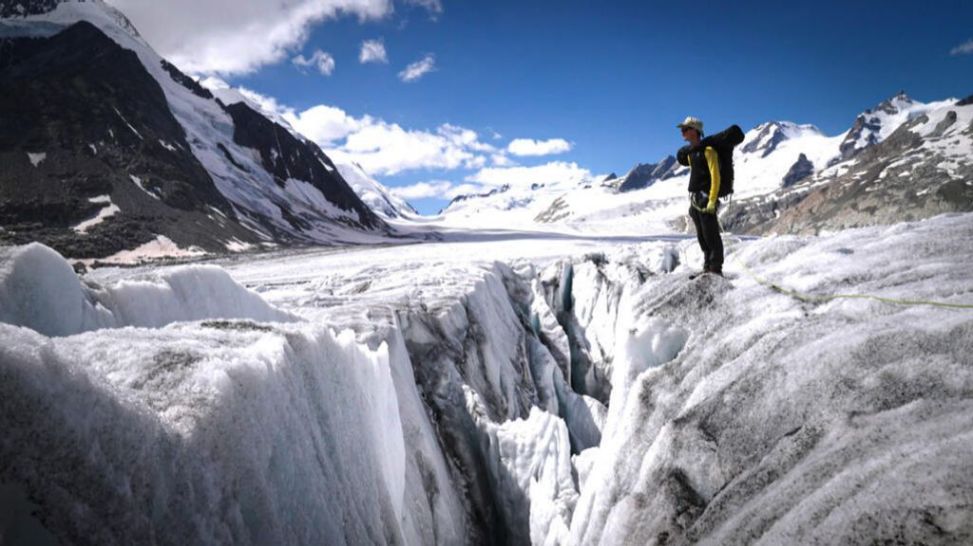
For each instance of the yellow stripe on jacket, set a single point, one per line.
(713, 160)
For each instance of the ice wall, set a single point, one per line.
(238, 430)
(39, 290)
(271, 435)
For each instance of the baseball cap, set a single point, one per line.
(691, 122)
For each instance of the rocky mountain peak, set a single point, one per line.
(894, 104)
(868, 126)
(644, 175)
(768, 136)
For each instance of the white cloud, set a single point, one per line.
(384, 148)
(323, 124)
(436, 189)
(387, 148)
(501, 160)
(233, 37)
(531, 147)
(418, 69)
(380, 147)
(548, 173)
(324, 62)
(963, 49)
(422, 190)
(373, 51)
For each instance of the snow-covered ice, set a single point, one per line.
(498, 387)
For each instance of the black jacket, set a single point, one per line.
(703, 170)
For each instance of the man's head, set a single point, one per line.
(692, 129)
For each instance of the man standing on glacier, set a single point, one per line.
(704, 192)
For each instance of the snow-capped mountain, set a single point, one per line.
(774, 167)
(876, 124)
(779, 153)
(107, 148)
(511, 205)
(374, 193)
(644, 175)
(921, 167)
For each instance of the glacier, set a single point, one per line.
(495, 389)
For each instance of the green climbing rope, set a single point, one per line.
(812, 298)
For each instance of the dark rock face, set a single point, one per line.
(801, 169)
(646, 174)
(186, 81)
(945, 124)
(863, 122)
(286, 157)
(965, 102)
(102, 126)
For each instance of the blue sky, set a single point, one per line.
(610, 79)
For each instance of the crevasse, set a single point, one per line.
(439, 402)
(251, 409)
(180, 406)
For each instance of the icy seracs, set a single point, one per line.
(425, 395)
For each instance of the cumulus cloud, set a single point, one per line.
(501, 160)
(373, 51)
(531, 147)
(324, 124)
(385, 149)
(322, 61)
(380, 147)
(437, 189)
(418, 69)
(963, 49)
(422, 190)
(233, 37)
(548, 173)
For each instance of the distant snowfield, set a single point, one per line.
(541, 387)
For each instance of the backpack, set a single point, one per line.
(723, 142)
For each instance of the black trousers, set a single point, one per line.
(707, 233)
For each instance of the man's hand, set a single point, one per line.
(710, 208)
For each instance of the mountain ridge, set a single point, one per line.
(238, 200)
